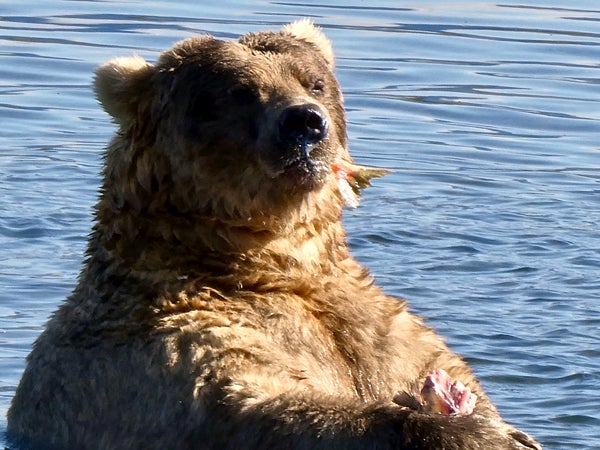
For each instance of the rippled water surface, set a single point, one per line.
(490, 225)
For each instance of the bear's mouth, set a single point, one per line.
(303, 166)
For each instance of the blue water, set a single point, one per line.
(490, 225)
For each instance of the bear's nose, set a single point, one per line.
(303, 124)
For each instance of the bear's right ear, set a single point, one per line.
(121, 84)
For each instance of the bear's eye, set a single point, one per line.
(202, 107)
(318, 87)
(243, 95)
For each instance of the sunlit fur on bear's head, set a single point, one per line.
(200, 130)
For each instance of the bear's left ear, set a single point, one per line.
(121, 85)
(306, 30)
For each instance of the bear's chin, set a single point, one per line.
(303, 169)
(304, 174)
(301, 172)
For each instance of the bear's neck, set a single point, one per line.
(197, 247)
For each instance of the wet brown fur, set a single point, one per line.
(219, 306)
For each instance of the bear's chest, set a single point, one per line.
(302, 345)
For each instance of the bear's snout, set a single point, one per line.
(303, 124)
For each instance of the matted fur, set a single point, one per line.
(219, 307)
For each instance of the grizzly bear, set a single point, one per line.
(219, 306)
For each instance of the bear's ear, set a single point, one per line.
(306, 30)
(120, 86)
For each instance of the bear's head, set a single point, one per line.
(240, 132)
